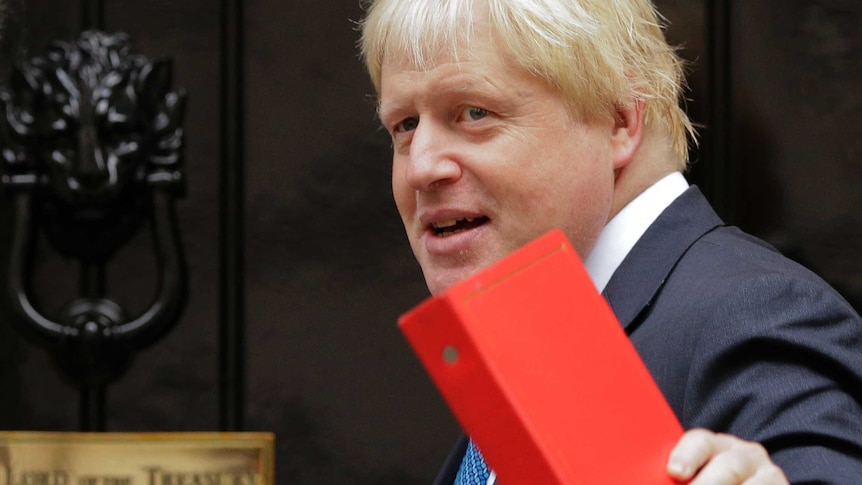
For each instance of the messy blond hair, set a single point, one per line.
(600, 54)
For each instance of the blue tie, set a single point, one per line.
(473, 469)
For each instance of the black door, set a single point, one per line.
(297, 262)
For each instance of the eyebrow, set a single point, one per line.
(465, 84)
(386, 111)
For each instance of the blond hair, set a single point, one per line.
(600, 54)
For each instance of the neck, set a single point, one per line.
(653, 161)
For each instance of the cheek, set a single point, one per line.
(577, 199)
(405, 199)
(588, 213)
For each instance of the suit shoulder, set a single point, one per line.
(728, 252)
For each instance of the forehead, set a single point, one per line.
(475, 52)
(479, 69)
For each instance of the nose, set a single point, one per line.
(432, 160)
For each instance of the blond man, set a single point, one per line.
(512, 117)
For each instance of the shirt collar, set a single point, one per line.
(622, 232)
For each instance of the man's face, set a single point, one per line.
(486, 158)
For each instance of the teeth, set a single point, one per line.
(447, 228)
(443, 224)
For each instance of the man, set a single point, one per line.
(513, 117)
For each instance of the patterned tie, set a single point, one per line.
(473, 470)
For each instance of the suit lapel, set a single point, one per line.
(644, 270)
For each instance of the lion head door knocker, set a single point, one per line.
(92, 144)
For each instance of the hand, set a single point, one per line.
(705, 458)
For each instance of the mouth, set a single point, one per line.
(454, 226)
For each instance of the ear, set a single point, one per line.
(628, 132)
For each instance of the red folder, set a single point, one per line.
(537, 370)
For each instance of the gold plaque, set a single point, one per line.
(31, 458)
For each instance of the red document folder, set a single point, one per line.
(538, 371)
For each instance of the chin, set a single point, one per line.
(436, 287)
(438, 283)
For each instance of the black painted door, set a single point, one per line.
(298, 266)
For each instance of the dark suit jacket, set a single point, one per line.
(741, 340)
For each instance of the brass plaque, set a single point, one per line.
(31, 458)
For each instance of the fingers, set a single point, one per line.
(708, 458)
(736, 463)
(692, 452)
(767, 475)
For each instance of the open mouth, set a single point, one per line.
(454, 226)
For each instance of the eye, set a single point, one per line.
(473, 113)
(408, 124)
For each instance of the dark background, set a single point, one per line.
(315, 270)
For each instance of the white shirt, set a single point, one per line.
(622, 232)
